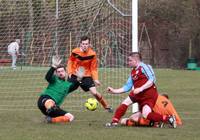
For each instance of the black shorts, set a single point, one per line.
(56, 111)
(86, 83)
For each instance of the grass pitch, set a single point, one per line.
(21, 120)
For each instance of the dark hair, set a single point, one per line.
(136, 55)
(61, 66)
(165, 95)
(83, 38)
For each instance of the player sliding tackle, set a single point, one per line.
(52, 97)
(163, 106)
(143, 91)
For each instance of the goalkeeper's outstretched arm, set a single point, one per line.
(49, 74)
(55, 63)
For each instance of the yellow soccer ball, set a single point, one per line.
(91, 104)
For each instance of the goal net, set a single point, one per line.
(51, 27)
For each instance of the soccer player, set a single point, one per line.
(83, 62)
(143, 91)
(163, 106)
(52, 97)
(13, 51)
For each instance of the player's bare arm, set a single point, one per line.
(115, 91)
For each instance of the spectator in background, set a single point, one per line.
(13, 51)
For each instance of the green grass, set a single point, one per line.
(21, 120)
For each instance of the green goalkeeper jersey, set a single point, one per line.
(57, 89)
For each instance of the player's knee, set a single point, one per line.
(123, 121)
(49, 104)
(70, 116)
(93, 90)
(97, 95)
(145, 111)
(135, 117)
(51, 110)
(127, 101)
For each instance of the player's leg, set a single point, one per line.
(120, 111)
(100, 99)
(14, 59)
(127, 122)
(87, 84)
(148, 114)
(57, 115)
(11, 57)
(132, 120)
(136, 119)
(141, 122)
(172, 111)
(165, 107)
(41, 104)
(156, 117)
(67, 117)
(54, 113)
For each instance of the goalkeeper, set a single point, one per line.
(52, 97)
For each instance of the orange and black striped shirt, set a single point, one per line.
(87, 59)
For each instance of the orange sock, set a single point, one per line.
(102, 101)
(60, 119)
(130, 123)
(143, 122)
